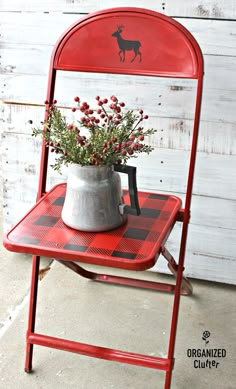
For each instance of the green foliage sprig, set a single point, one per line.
(113, 134)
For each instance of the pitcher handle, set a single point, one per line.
(134, 209)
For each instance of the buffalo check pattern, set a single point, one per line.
(135, 245)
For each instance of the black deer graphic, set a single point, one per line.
(127, 45)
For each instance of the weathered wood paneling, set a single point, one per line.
(192, 8)
(160, 171)
(172, 133)
(214, 36)
(218, 104)
(25, 55)
(210, 253)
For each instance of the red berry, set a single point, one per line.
(141, 137)
(102, 115)
(105, 101)
(46, 102)
(54, 101)
(145, 117)
(130, 152)
(100, 103)
(99, 111)
(97, 121)
(118, 109)
(97, 97)
(132, 137)
(118, 116)
(141, 111)
(114, 140)
(104, 151)
(109, 143)
(123, 152)
(73, 109)
(85, 105)
(104, 145)
(65, 153)
(52, 150)
(70, 127)
(123, 144)
(122, 104)
(77, 99)
(114, 98)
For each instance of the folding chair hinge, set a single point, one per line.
(180, 215)
(173, 363)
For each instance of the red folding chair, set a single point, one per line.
(167, 50)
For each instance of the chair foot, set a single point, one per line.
(28, 371)
(28, 357)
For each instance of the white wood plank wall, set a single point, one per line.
(28, 31)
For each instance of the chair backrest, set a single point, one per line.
(131, 41)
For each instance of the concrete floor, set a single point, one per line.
(113, 316)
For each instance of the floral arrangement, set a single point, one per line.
(111, 134)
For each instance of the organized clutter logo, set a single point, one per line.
(205, 335)
(206, 357)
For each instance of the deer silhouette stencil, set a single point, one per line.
(126, 45)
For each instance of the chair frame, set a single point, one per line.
(182, 285)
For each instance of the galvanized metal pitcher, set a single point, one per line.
(94, 200)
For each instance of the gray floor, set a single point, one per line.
(113, 316)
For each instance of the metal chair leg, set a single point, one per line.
(32, 312)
